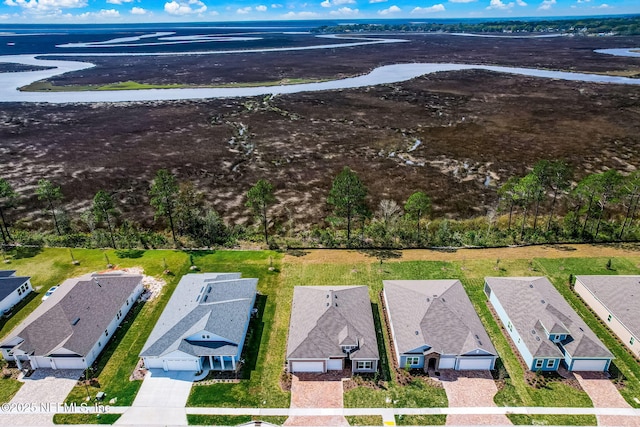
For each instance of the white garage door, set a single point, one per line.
(182, 365)
(68, 363)
(446, 363)
(307, 367)
(476, 364)
(589, 365)
(334, 365)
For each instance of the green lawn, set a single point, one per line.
(421, 420)
(8, 388)
(261, 386)
(85, 418)
(554, 420)
(364, 420)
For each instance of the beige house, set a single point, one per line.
(615, 299)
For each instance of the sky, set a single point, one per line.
(116, 11)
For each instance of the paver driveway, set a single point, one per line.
(604, 394)
(161, 399)
(471, 388)
(43, 386)
(310, 391)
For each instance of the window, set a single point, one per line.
(364, 364)
(127, 301)
(551, 363)
(106, 333)
(632, 340)
(413, 361)
(539, 363)
(99, 344)
(609, 318)
(510, 326)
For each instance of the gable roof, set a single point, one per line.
(76, 315)
(535, 307)
(8, 284)
(218, 304)
(7, 273)
(325, 317)
(620, 295)
(436, 314)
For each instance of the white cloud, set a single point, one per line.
(521, 3)
(377, 1)
(329, 3)
(214, 13)
(603, 6)
(276, 6)
(498, 4)
(300, 15)
(138, 11)
(344, 11)
(462, 1)
(104, 13)
(46, 5)
(431, 9)
(325, 3)
(261, 8)
(119, 1)
(392, 9)
(181, 7)
(546, 4)
(243, 10)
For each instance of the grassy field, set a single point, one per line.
(85, 418)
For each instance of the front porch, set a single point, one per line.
(220, 363)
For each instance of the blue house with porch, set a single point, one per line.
(204, 325)
(544, 328)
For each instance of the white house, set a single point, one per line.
(13, 289)
(434, 326)
(616, 300)
(204, 325)
(70, 328)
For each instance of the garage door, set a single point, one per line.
(476, 364)
(589, 365)
(68, 363)
(183, 365)
(334, 365)
(307, 367)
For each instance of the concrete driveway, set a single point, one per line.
(471, 388)
(43, 386)
(604, 394)
(161, 399)
(316, 393)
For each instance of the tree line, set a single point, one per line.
(616, 25)
(545, 205)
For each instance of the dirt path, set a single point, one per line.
(527, 252)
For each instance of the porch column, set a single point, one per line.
(222, 362)
(19, 363)
(211, 362)
(233, 362)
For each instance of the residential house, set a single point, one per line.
(331, 329)
(434, 326)
(72, 327)
(204, 325)
(543, 327)
(616, 300)
(13, 289)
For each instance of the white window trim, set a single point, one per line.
(551, 363)
(362, 364)
(539, 363)
(413, 360)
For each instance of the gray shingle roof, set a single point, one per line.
(9, 284)
(7, 273)
(436, 314)
(325, 317)
(216, 304)
(533, 305)
(49, 327)
(620, 295)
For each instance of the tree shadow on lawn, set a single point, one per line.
(21, 252)
(253, 339)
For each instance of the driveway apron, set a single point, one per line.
(311, 391)
(161, 400)
(471, 388)
(604, 394)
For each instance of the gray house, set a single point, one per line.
(434, 326)
(544, 328)
(616, 300)
(332, 328)
(13, 289)
(204, 325)
(72, 327)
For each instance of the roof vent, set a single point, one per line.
(428, 299)
(531, 285)
(336, 304)
(335, 296)
(417, 333)
(533, 332)
(443, 300)
(581, 329)
(537, 338)
(477, 337)
(479, 342)
(435, 296)
(542, 301)
(75, 321)
(327, 295)
(328, 304)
